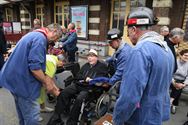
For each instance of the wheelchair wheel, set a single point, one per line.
(102, 105)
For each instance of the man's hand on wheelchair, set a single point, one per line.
(88, 79)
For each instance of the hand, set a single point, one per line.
(179, 85)
(50, 86)
(88, 79)
(105, 85)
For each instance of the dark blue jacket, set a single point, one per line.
(70, 41)
(119, 60)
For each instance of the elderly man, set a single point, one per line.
(69, 43)
(81, 88)
(164, 31)
(175, 37)
(144, 97)
(119, 58)
(23, 72)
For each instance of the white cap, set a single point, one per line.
(93, 52)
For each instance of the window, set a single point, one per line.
(39, 9)
(9, 14)
(61, 15)
(119, 11)
(118, 14)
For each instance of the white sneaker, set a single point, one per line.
(40, 119)
(47, 110)
(173, 109)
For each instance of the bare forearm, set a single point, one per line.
(39, 75)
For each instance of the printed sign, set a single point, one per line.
(79, 15)
(16, 27)
(7, 27)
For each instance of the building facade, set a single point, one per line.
(102, 15)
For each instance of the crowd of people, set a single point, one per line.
(147, 72)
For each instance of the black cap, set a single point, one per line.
(114, 34)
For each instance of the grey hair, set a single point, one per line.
(177, 32)
(56, 28)
(164, 28)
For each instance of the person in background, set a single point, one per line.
(69, 43)
(52, 62)
(81, 88)
(164, 31)
(175, 37)
(28, 62)
(144, 91)
(119, 58)
(36, 24)
(180, 79)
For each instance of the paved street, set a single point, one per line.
(8, 115)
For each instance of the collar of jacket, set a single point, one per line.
(153, 37)
(42, 30)
(122, 44)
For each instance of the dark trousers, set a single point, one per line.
(63, 102)
(176, 94)
(71, 56)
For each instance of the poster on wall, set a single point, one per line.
(7, 27)
(16, 27)
(79, 16)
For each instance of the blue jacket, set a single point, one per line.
(29, 54)
(119, 60)
(69, 43)
(144, 91)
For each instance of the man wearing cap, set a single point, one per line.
(119, 58)
(144, 91)
(81, 88)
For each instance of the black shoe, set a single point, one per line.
(55, 120)
(186, 123)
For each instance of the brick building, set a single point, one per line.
(101, 15)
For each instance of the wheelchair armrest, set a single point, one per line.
(69, 80)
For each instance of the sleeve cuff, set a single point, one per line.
(34, 66)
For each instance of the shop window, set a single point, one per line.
(61, 15)
(39, 9)
(9, 14)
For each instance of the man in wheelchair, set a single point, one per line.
(79, 88)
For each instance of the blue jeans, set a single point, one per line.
(28, 110)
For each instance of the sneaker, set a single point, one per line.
(173, 109)
(40, 119)
(46, 110)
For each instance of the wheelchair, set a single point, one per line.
(98, 104)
